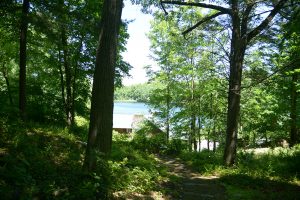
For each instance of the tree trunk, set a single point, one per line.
(101, 115)
(76, 59)
(4, 72)
(238, 47)
(62, 83)
(208, 134)
(22, 73)
(68, 75)
(199, 133)
(199, 123)
(214, 138)
(168, 113)
(193, 132)
(293, 114)
(192, 110)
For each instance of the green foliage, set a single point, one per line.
(190, 81)
(42, 161)
(46, 79)
(133, 169)
(46, 162)
(138, 92)
(150, 138)
(175, 147)
(205, 162)
(259, 173)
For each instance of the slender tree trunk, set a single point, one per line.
(193, 132)
(74, 86)
(211, 118)
(199, 123)
(168, 113)
(22, 73)
(293, 113)
(68, 75)
(214, 138)
(199, 133)
(62, 83)
(101, 116)
(208, 141)
(254, 139)
(193, 116)
(4, 72)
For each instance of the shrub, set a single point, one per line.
(150, 138)
(175, 147)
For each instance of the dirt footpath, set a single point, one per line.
(191, 185)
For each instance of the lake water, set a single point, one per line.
(131, 108)
(124, 112)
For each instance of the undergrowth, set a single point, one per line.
(39, 161)
(274, 174)
(45, 162)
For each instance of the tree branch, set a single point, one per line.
(201, 5)
(201, 22)
(272, 74)
(163, 7)
(266, 21)
(244, 25)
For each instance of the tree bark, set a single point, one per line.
(68, 75)
(23, 57)
(101, 115)
(293, 113)
(4, 72)
(193, 132)
(199, 123)
(168, 113)
(193, 115)
(76, 59)
(237, 52)
(62, 83)
(214, 138)
(199, 133)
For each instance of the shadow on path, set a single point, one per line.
(191, 185)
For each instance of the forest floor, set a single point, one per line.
(190, 184)
(45, 162)
(183, 184)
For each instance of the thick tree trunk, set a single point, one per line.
(101, 116)
(22, 73)
(238, 47)
(293, 113)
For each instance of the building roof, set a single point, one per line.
(122, 121)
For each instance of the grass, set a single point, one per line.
(274, 174)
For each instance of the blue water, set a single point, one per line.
(130, 108)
